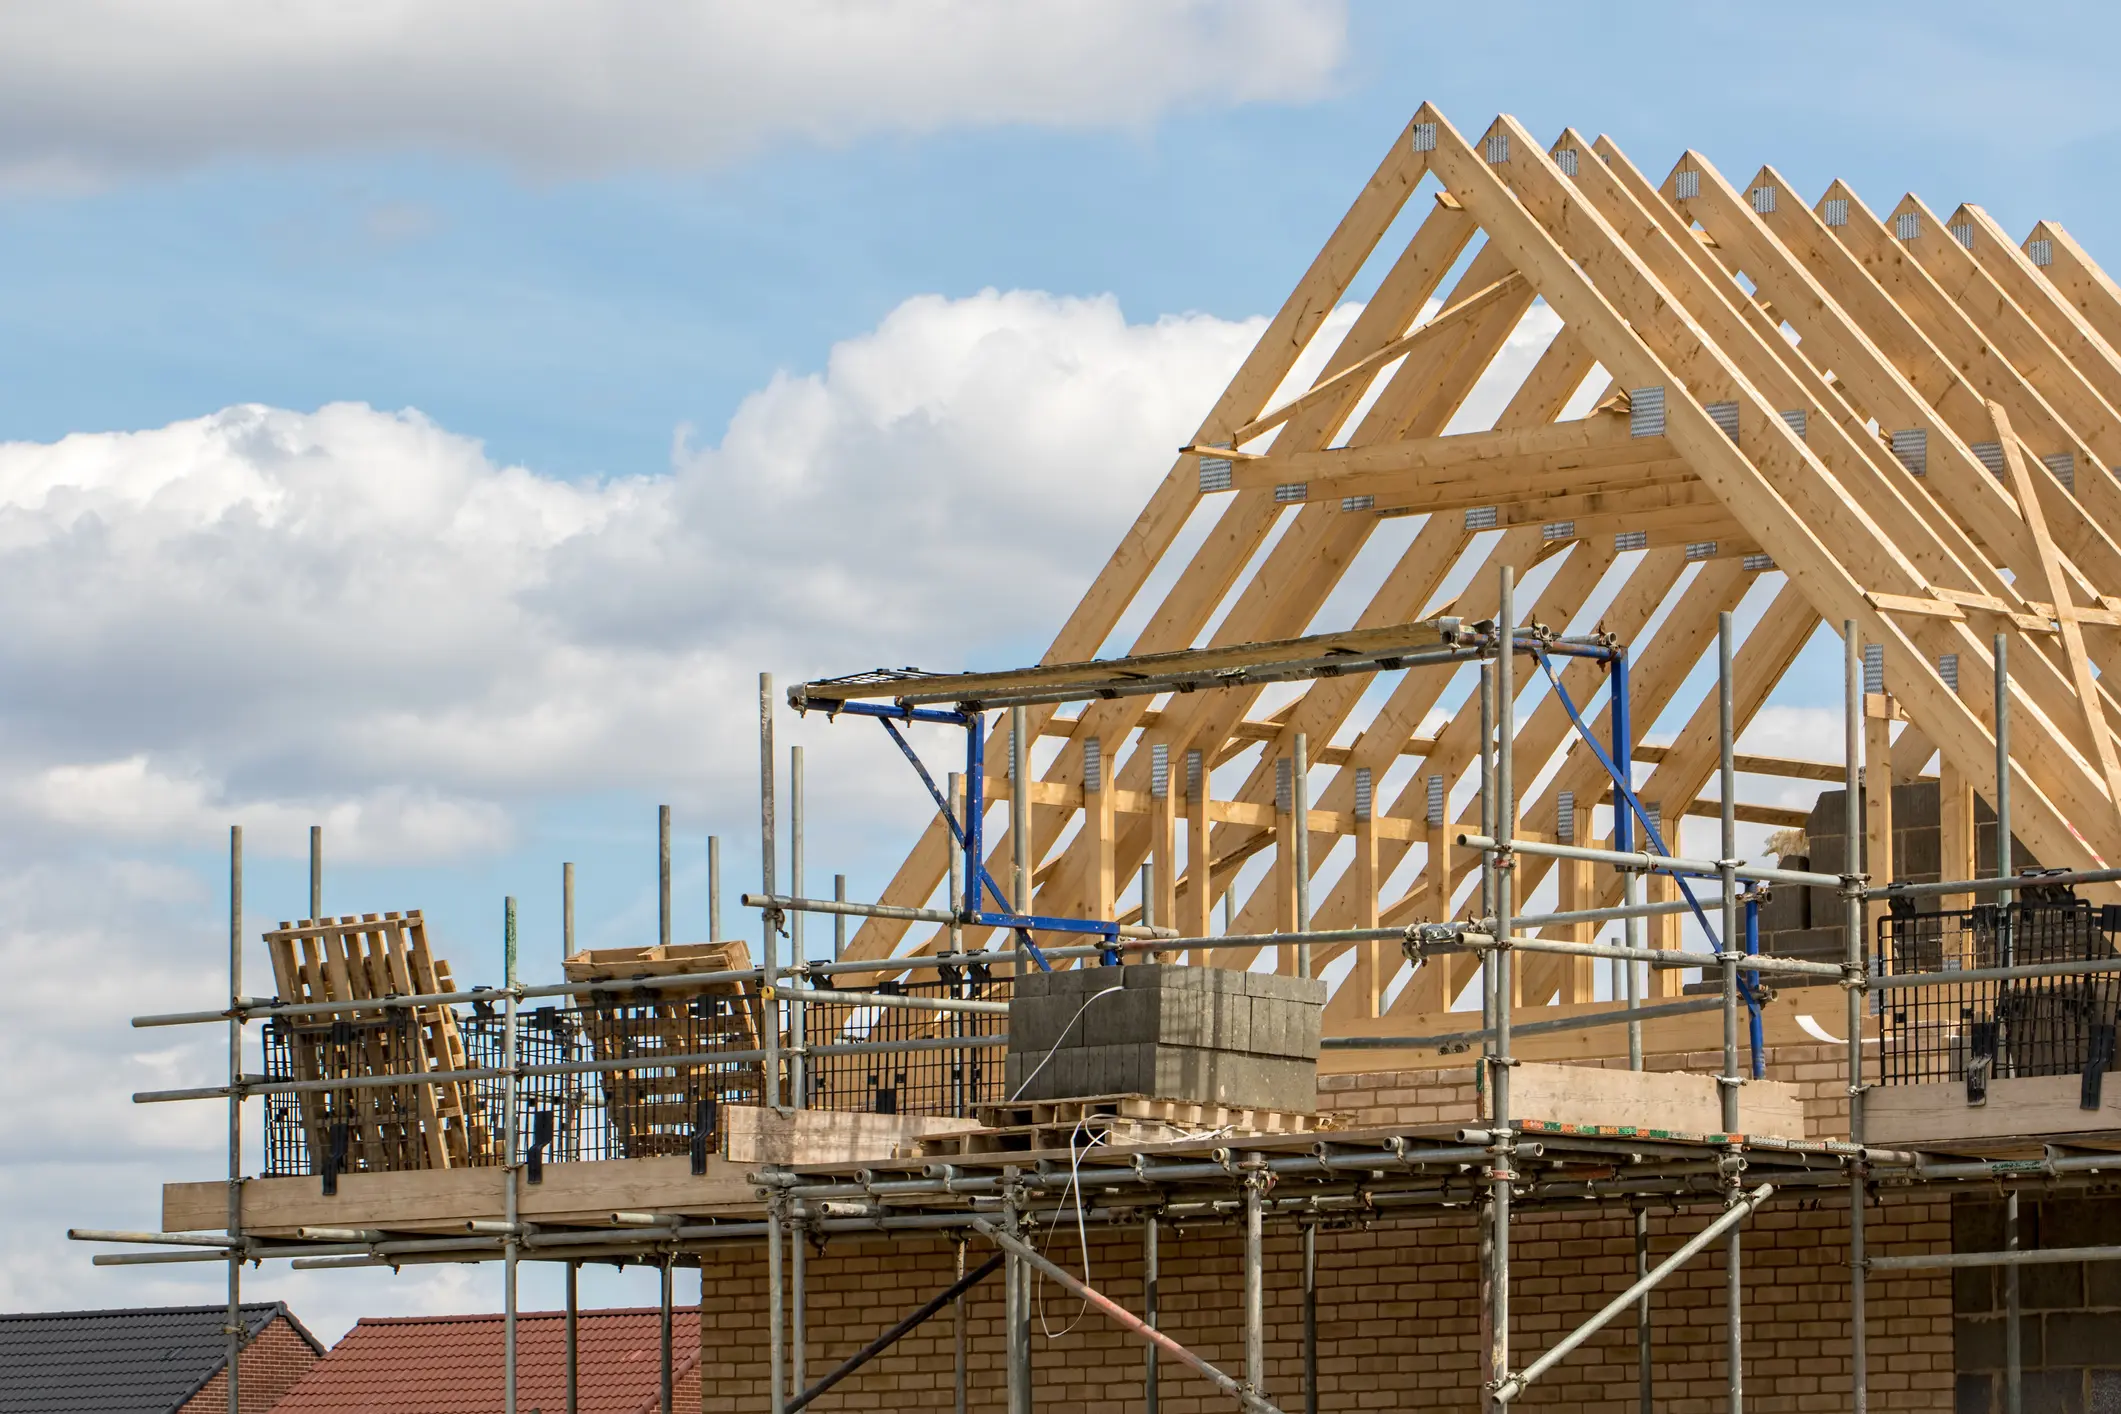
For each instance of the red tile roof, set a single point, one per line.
(453, 1365)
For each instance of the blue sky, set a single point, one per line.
(774, 266)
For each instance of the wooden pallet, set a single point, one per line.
(420, 1125)
(653, 1110)
(1028, 1126)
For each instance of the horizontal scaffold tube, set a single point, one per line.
(261, 1085)
(1657, 863)
(1996, 886)
(892, 999)
(1616, 1016)
(787, 903)
(1888, 983)
(2023, 1257)
(1666, 957)
(1613, 915)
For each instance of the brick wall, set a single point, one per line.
(1411, 1097)
(1399, 1311)
(270, 1365)
(1399, 1316)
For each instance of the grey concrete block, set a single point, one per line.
(1917, 853)
(1291, 1085)
(1185, 1018)
(1122, 1018)
(1035, 1022)
(1230, 1021)
(1270, 1027)
(1285, 988)
(1179, 1073)
(1306, 1031)
(1031, 984)
(1915, 805)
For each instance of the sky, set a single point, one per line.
(427, 420)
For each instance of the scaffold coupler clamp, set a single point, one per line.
(1420, 937)
(1502, 1148)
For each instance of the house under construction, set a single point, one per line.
(1312, 1003)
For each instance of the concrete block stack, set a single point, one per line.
(1202, 1035)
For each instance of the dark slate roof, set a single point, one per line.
(118, 1362)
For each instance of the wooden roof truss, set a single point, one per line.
(1818, 412)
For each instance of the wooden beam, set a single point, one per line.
(1363, 368)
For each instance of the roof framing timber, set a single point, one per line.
(1802, 412)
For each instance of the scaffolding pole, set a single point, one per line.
(1151, 1280)
(1728, 1081)
(1852, 923)
(513, 1247)
(236, 1327)
(1300, 792)
(1500, 1177)
(574, 1338)
(668, 1386)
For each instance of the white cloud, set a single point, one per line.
(99, 86)
(358, 617)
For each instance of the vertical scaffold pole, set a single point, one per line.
(1487, 872)
(574, 1338)
(776, 1348)
(1300, 798)
(1151, 1279)
(1852, 923)
(1728, 1082)
(957, 1337)
(1629, 979)
(1500, 1177)
(662, 875)
(798, 1308)
(1300, 806)
(714, 888)
(770, 1018)
(669, 1404)
(2013, 1351)
(235, 1330)
(962, 1098)
(509, 1097)
(1015, 1315)
(798, 1020)
(1623, 724)
(2004, 863)
(1645, 1370)
(770, 957)
(316, 871)
(1255, 1182)
(1020, 821)
(839, 920)
(566, 912)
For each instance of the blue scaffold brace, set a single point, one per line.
(1624, 790)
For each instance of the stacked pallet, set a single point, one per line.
(433, 1124)
(657, 1106)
